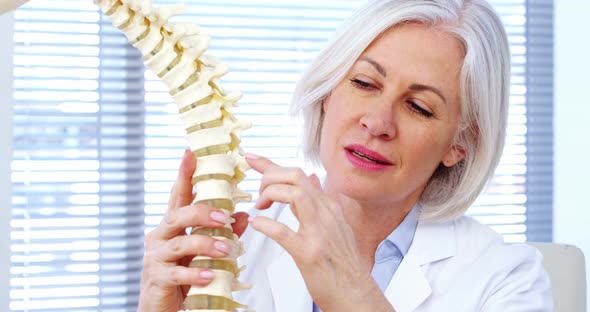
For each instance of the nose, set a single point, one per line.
(379, 121)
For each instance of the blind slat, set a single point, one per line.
(97, 138)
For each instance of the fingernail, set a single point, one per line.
(187, 152)
(251, 218)
(223, 247)
(218, 216)
(207, 274)
(251, 156)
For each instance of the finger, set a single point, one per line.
(315, 181)
(274, 174)
(258, 163)
(276, 231)
(241, 223)
(183, 183)
(180, 247)
(179, 275)
(182, 190)
(285, 175)
(300, 200)
(271, 172)
(175, 221)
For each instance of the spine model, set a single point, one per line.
(175, 53)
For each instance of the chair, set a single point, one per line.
(565, 266)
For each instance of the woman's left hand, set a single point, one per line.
(324, 247)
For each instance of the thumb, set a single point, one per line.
(182, 191)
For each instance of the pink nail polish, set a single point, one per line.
(223, 247)
(251, 156)
(207, 274)
(218, 216)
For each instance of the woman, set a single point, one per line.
(406, 110)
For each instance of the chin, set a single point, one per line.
(356, 188)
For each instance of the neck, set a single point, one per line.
(372, 221)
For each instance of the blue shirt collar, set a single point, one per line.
(403, 235)
(397, 243)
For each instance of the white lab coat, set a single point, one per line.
(459, 265)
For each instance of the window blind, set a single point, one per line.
(539, 86)
(6, 34)
(77, 169)
(266, 46)
(502, 206)
(97, 140)
(519, 201)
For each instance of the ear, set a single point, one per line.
(455, 154)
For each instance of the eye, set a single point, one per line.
(361, 84)
(420, 110)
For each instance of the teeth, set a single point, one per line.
(366, 158)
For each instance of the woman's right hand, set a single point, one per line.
(168, 249)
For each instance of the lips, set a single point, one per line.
(368, 155)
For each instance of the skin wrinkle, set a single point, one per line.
(415, 144)
(414, 87)
(375, 64)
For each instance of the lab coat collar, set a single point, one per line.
(407, 289)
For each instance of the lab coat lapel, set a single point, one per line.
(409, 286)
(286, 283)
(288, 288)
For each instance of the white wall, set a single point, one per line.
(572, 125)
(6, 28)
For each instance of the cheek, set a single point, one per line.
(333, 129)
(426, 149)
(334, 115)
(328, 132)
(325, 137)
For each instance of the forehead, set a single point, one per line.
(417, 54)
(418, 46)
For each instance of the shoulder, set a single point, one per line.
(474, 238)
(465, 241)
(504, 276)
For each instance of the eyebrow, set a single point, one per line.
(421, 87)
(377, 66)
(413, 87)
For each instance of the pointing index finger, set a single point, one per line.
(261, 165)
(258, 163)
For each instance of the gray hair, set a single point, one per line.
(484, 89)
